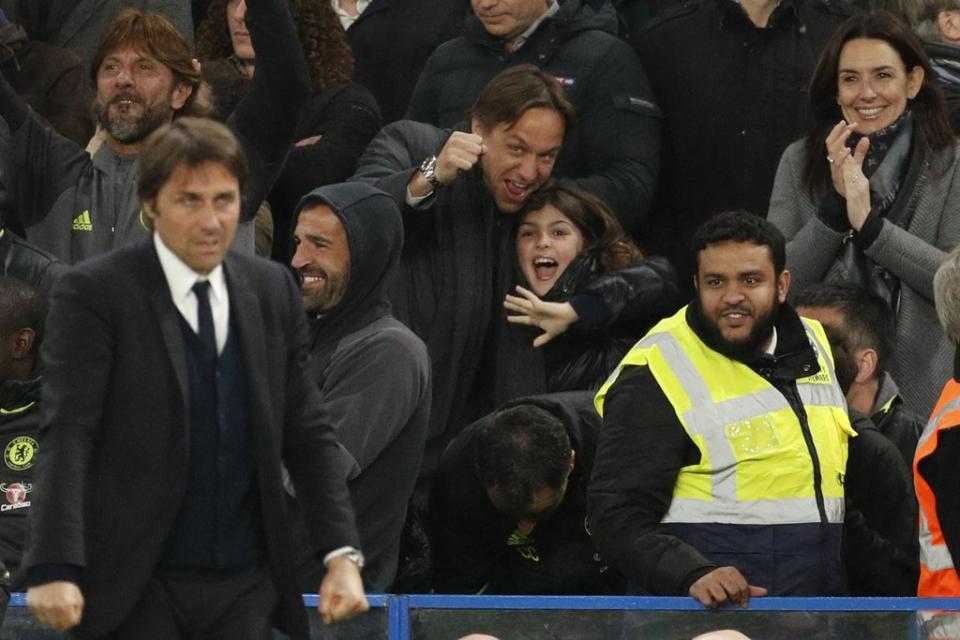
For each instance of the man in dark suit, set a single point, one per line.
(174, 387)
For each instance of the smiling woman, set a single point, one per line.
(871, 196)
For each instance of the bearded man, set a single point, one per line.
(720, 465)
(76, 206)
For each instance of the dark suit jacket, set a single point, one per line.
(112, 467)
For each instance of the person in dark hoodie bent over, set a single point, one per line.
(508, 507)
(373, 372)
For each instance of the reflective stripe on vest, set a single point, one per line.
(749, 425)
(938, 577)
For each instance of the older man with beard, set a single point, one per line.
(720, 465)
(76, 206)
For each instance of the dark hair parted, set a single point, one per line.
(867, 319)
(522, 449)
(20, 308)
(191, 142)
(603, 237)
(154, 35)
(742, 226)
(517, 89)
(329, 56)
(928, 107)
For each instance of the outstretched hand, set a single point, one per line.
(553, 317)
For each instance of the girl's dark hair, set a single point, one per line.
(603, 237)
(328, 54)
(928, 107)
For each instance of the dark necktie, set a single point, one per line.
(208, 338)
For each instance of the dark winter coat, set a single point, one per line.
(458, 259)
(476, 548)
(391, 41)
(880, 531)
(346, 117)
(613, 151)
(733, 97)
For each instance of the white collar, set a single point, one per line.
(772, 347)
(181, 278)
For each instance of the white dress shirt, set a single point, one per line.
(181, 278)
(345, 18)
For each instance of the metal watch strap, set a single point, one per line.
(428, 169)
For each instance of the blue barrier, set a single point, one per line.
(425, 617)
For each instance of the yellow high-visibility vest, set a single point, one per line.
(755, 466)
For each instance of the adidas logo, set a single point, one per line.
(82, 222)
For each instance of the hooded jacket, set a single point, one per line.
(613, 151)
(475, 546)
(374, 378)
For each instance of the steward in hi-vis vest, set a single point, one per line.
(721, 461)
(938, 573)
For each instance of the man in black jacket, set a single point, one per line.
(613, 151)
(176, 395)
(508, 507)
(459, 191)
(731, 79)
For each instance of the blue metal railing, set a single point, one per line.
(399, 608)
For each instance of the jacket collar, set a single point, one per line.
(794, 357)
(731, 13)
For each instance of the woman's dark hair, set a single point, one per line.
(324, 42)
(603, 237)
(928, 107)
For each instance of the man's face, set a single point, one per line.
(196, 213)
(237, 25)
(507, 19)
(322, 258)
(739, 295)
(520, 156)
(844, 359)
(135, 95)
(544, 501)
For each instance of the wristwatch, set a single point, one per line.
(356, 557)
(428, 169)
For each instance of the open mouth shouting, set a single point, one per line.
(545, 269)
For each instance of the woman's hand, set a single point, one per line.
(553, 317)
(838, 152)
(856, 185)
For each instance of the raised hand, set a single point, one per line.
(553, 317)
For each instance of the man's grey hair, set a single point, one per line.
(946, 293)
(923, 15)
